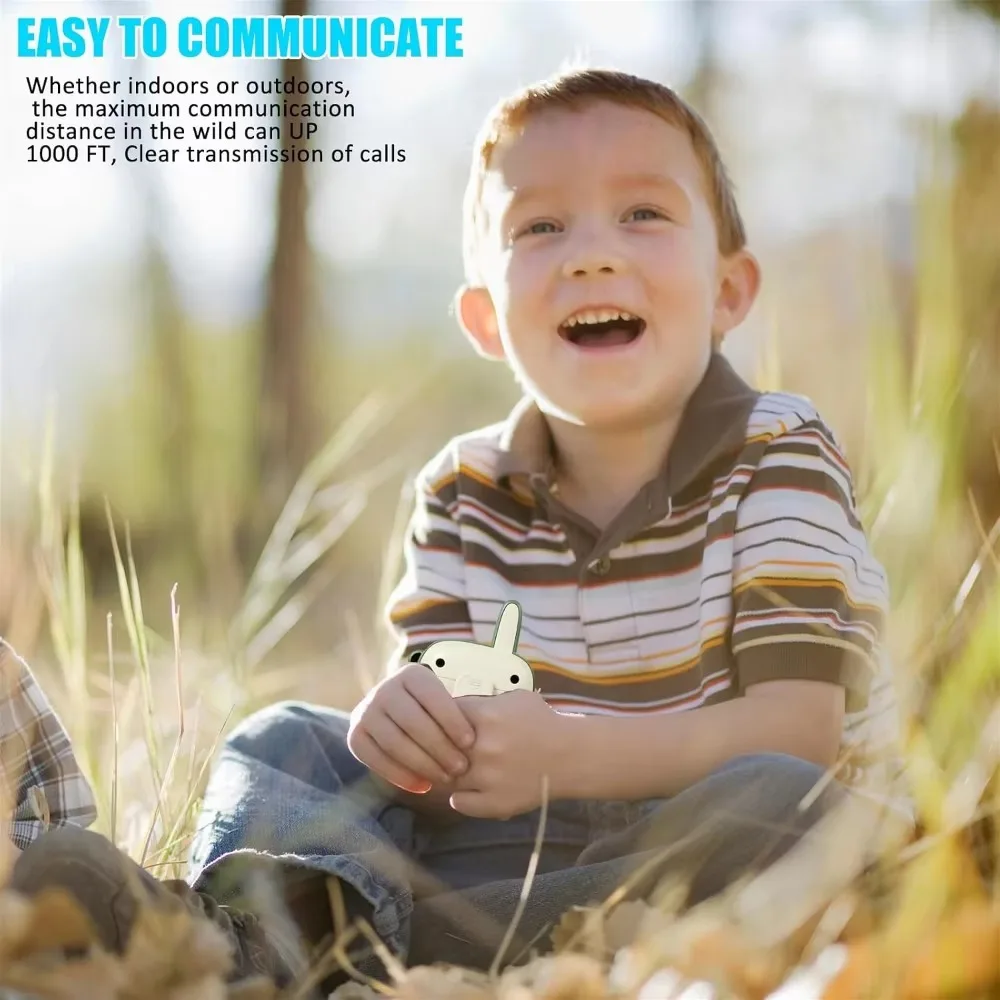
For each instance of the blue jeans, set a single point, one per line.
(287, 797)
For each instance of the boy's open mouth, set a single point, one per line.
(602, 328)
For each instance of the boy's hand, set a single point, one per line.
(518, 741)
(410, 731)
(435, 803)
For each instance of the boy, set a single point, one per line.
(41, 784)
(700, 607)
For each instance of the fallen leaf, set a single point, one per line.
(434, 982)
(962, 957)
(258, 988)
(15, 919)
(569, 977)
(98, 977)
(354, 991)
(580, 929)
(56, 923)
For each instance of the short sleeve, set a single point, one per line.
(810, 599)
(429, 602)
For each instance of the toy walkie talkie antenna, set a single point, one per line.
(508, 629)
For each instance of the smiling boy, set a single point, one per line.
(701, 609)
(676, 540)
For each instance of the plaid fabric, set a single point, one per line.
(39, 774)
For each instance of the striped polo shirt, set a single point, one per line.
(743, 561)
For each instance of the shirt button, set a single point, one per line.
(600, 567)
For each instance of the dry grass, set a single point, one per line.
(858, 910)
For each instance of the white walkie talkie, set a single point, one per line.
(473, 668)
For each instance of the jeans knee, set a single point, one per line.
(288, 728)
(778, 777)
(775, 763)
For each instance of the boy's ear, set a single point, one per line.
(478, 320)
(740, 282)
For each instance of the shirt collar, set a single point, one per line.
(714, 422)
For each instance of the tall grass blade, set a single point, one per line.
(137, 641)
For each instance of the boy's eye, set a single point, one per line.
(641, 214)
(538, 228)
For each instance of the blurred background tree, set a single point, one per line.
(977, 199)
(288, 432)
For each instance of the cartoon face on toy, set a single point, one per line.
(473, 668)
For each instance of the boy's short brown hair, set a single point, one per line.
(573, 90)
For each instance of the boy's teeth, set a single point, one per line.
(598, 316)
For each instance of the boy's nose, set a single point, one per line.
(589, 256)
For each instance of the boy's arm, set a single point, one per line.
(429, 602)
(808, 607)
(659, 756)
(37, 766)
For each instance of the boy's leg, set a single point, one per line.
(289, 797)
(741, 818)
(288, 806)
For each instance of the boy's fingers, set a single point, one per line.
(474, 804)
(375, 759)
(396, 744)
(440, 705)
(415, 721)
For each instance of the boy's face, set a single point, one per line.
(604, 283)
